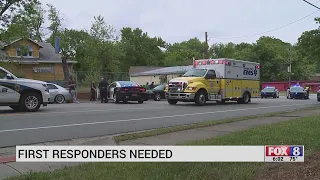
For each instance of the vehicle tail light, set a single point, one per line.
(143, 89)
(258, 66)
(220, 62)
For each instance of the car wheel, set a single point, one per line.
(140, 102)
(157, 97)
(172, 101)
(59, 99)
(200, 98)
(30, 102)
(15, 108)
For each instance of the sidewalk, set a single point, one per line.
(14, 168)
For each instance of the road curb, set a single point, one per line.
(7, 159)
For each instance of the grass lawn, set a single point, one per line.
(304, 131)
(166, 130)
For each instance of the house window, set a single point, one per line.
(28, 54)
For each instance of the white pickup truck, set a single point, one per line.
(22, 94)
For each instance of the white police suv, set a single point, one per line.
(22, 94)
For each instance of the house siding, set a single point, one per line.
(26, 69)
(12, 49)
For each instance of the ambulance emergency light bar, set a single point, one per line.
(274, 153)
(214, 61)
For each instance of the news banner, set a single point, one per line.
(275, 153)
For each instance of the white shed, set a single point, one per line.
(158, 76)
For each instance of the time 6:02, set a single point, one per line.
(277, 158)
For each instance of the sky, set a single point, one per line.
(180, 20)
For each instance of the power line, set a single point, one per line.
(265, 32)
(311, 4)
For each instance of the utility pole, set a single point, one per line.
(289, 68)
(206, 50)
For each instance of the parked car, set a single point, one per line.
(58, 94)
(269, 92)
(297, 92)
(126, 91)
(157, 93)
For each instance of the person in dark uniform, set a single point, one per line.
(151, 85)
(93, 91)
(103, 87)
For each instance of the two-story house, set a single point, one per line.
(34, 60)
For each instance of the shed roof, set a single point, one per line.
(139, 69)
(166, 70)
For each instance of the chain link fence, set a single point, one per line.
(82, 78)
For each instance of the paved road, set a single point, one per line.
(68, 121)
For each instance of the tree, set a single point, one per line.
(55, 20)
(26, 23)
(9, 7)
(183, 53)
(308, 46)
(139, 49)
(101, 30)
(222, 50)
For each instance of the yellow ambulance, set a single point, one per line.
(217, 80)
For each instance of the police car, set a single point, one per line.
(126, 91)
(297, 92)
(22, 94)
(269, 92)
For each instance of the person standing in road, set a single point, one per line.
(152, 85)
(308, 90)
(103, 87)
(146, 86)
(72, 89)
(93, 91)
(288, 91)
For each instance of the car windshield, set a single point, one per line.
(160, 87)
(296, 88)
(269, 89)
(195, 73)
(127, 83)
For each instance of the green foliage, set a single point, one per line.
(139, 49)
(182, 53)
(101, 50)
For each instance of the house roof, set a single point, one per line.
(166, 70)
(139, 69)
(7, 44)
(46, 55)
